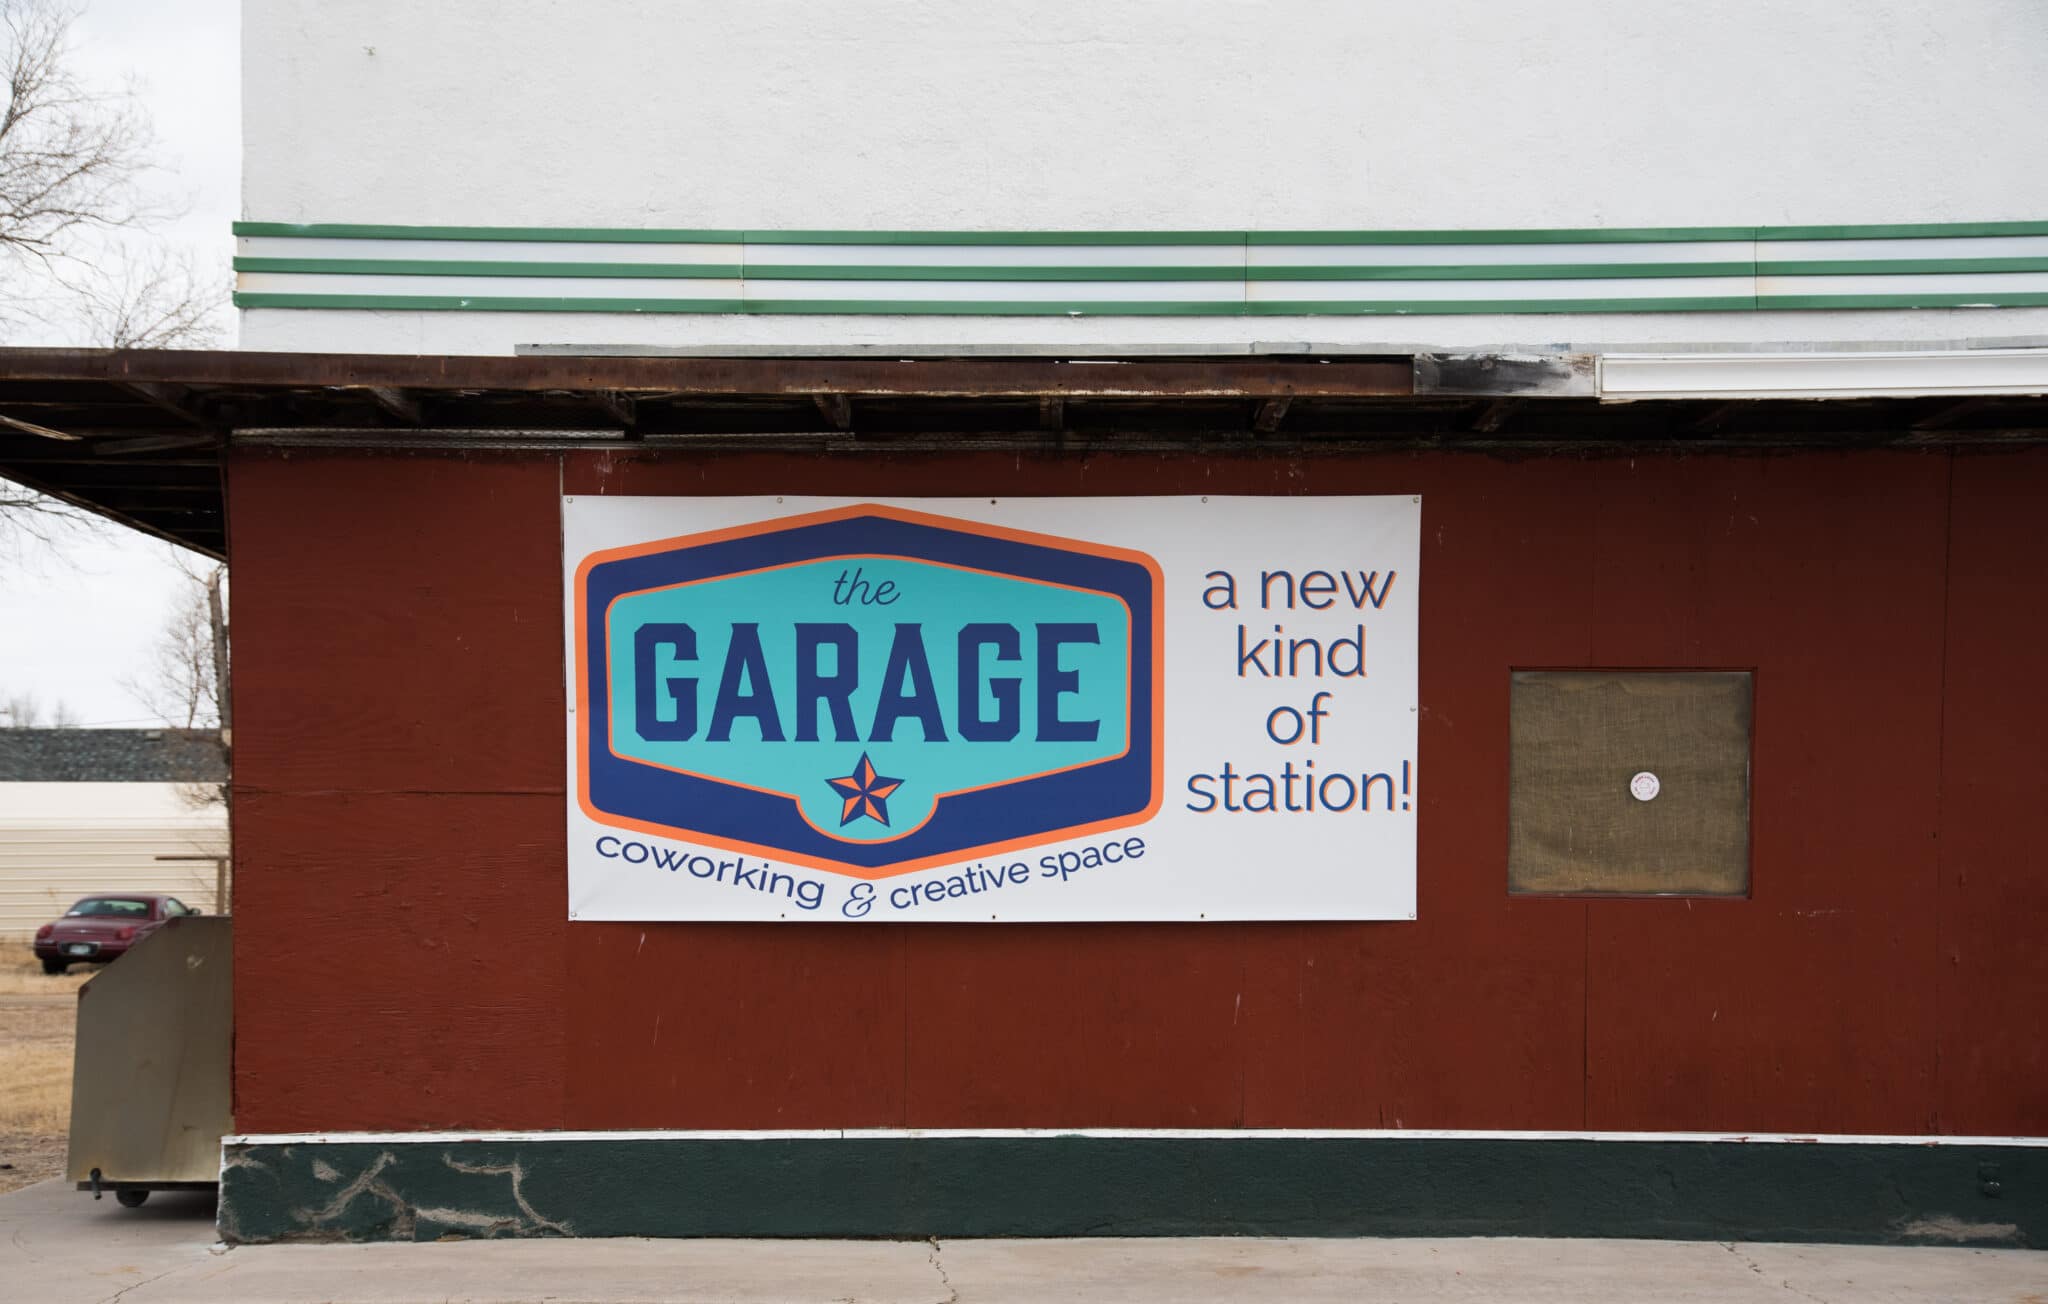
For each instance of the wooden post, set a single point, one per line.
(216, 611)
(221, 879)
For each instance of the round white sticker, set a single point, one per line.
(1644, 786)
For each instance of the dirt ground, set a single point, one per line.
(37, 1014)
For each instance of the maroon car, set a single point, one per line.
(102, 928)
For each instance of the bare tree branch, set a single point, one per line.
(70, 162)
(69, 156)
(27, 517)
(157, 299)
(23, 499)
(187, 682)
(180, 685)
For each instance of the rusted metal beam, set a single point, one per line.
(1270, 414)
(1207, 439)
(768, 377)
(1504, 375)
(1052, 412)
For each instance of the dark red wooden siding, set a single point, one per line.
(404, 961)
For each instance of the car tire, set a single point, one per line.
(55, 966)
(131, 1198)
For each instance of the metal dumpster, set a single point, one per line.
(150, 1089)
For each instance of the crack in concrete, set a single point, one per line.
(116, 1296)
(952, 1294)
(1757, 1268)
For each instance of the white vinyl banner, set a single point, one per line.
(975, 709)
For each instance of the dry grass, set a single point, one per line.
(38, 1014)
(35, 1064)
(21, 974)
(35, 1084)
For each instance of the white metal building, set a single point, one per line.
(98, 810)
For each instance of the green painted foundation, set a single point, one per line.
(912, 1187)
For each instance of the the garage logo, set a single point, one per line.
(869, 690)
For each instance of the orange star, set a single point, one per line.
(865, 793)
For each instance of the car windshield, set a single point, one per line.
(121, 907)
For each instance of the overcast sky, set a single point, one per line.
(77, 618)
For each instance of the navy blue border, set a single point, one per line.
(1034, 808)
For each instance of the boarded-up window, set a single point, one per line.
(1578, 740)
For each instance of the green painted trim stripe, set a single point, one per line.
(1502, 271)
(1138, 308)
(991, 307)
(821, 307)
(1897, 266)
(545, 234)
(1901, 231)
(1026, 238)
(1658, 234)
(631, 235)
(1509, 235)
(1074, 1185)
(482, 303)
(1755, 281)
(419, 267)
(1931, 299)
(1458, 307)
(772, 272)
(1094, 273)
(1573, 235)
(1002, 307)
(1415, 272)
(1233, 275)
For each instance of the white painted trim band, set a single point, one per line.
(1112, 1133)
(1628, 376)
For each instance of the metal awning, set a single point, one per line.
(138, 436)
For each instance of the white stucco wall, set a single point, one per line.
(1120, 114)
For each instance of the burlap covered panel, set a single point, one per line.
(1576, 740)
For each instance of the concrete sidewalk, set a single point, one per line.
(59, 1245)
